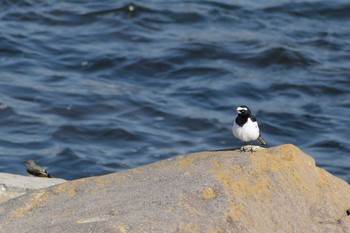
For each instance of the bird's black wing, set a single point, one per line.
(38, 172)
(253, 118)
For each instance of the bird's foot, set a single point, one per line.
(250, 148)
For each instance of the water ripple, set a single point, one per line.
(89, 88)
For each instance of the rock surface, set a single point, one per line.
(274, 190)
(12, 185)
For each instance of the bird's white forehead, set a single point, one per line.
(242, 108)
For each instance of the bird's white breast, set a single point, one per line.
(248, 132)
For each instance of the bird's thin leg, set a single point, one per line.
(251, 146)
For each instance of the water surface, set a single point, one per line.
(92, 88)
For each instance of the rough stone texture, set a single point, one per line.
(274, 190)
(12, 186)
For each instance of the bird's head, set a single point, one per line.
(30, 162)
(243, 110)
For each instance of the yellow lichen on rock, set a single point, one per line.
(261, 181)
(217, 229)
(187, 227)
(209, 193)
(184, 162)
(38, 199)
(69, 188)
(122, 228)
(235, 211)
(105, 180)
(102, 181)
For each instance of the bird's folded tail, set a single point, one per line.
(262, 141)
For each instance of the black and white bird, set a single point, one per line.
(246, 128)
(35, 170)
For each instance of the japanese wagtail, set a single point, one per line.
(35, 170)
(246, 128)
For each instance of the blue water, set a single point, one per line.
(89, 88)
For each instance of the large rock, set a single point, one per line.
(12, 185)
(274, 190)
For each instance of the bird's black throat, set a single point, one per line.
(241, 119)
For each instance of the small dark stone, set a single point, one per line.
(348, 212)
